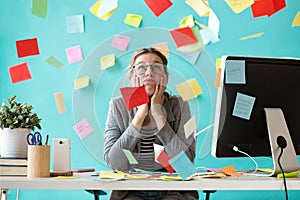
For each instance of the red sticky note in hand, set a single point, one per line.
(183, 36)
(19, 73)
(134, 96)
(28, 47)
(163, 159)
(158, 6)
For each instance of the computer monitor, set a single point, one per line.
(258, 100)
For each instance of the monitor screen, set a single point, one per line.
(247, 86)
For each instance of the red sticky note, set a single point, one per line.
(28, 47)
(267, 7)
(163, 159)
(134, 96)
(183, 36)
(158, 6)
(19, 72)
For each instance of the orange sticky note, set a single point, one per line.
(158, 6)
(230, 171)
(134, 96)
(28, 47)
(19, 73)
(183, 36)
(218, 77)
(59, 100)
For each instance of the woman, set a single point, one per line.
(160, 122)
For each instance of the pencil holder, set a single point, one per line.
(38, 161)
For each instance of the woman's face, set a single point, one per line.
(153, 74)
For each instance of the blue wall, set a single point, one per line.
(17, 23)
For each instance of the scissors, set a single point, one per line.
(34, 138)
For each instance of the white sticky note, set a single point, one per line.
(75, 24)
(81, 82)
(157, 150)
(59, 100)
(190, 126)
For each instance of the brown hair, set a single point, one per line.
(149, 50)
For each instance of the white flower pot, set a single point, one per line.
(13, 142)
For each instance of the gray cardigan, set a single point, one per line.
(120, 133)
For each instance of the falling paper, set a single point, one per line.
(296, 21)
(195, 47)
(59, 100)
(52, 60)
(252, 36)
(83, 128)
(238, 6)
(201, 7)
(183, 36)
(75, 24)
(189, 89)
(130, 157)
(190, 127)
(39, 7)
(74, 54)
(19, 73)
(133, 20)
(183, 165)
(214, 25)
(120, 42)
(162, 47)
(103, 9)
(134, 96)
(107, 61)
(163, 159)
(243, 106)
(81, 82)
(187, 21)
(158, 6)
(28, 47)
(157, 150)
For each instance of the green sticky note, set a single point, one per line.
(52, 60)
(39, 8)
(130, 157)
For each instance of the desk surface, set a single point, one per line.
(86, 181)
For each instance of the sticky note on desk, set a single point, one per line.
(243, 106)
(19, 73)
(189, 89)
(235, 72)
(183, 165)
(81, 82)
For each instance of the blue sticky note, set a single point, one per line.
(235, 72)
(243, 106)
(183, 165)
(75, 24)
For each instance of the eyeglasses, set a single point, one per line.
(141, 68)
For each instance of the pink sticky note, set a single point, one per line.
(19, 73)
(120, 42)
(83, 128)
(74, 54)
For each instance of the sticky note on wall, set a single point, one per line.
(108, 61)
(189, 89)
(59, 100)
(121, 42)
(83, 128)
(81, 82)
(19, 73)
(27, 47)
(133, 20)
(74, 54)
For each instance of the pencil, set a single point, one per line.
(47, 138)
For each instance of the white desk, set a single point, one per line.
(87, 182)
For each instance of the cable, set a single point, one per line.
(281, 142)
(235, 148)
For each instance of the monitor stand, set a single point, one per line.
(277, 128)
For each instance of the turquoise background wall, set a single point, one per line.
(18, 23)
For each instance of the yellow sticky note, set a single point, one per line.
(81, 82)
(109, 174)
(107, 61)
(189, 89)
(190, 126)
(133, 20)
(238, 6)
(252, 36)
(187, 21)
(201, 7)
(296, 21)
(162, 47)
(103, 9)
(59, 99)
(218, 63)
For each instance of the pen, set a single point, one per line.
(47, 138)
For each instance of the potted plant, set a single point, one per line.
(16, 121)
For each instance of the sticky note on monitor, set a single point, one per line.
(189, 89)
(107, 61)
(134, 96)
(83, 128)
(243, 106)
(121, 42)
(74, 54)
(158, 6)
(235, 72)
(75, 24)
(81, 82)
(27, 47)
(19, 73)
(133, 20)
(183, 165)
(190, 127)
(59, 100)
(130, 157)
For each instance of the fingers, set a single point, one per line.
(137, 81)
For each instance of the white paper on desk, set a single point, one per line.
(157, 150)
